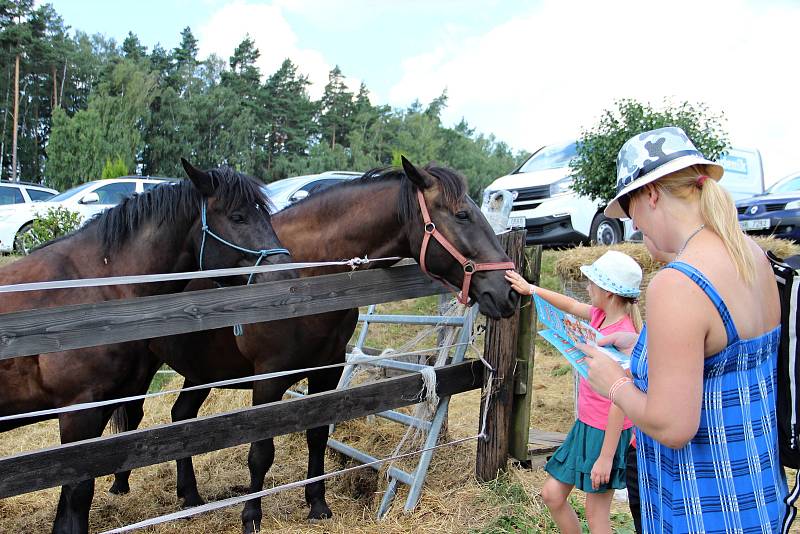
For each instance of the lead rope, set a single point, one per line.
(238, 329)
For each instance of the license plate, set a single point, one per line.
(754, 224)
(516, 222)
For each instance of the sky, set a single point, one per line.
(530, 72)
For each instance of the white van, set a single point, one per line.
(556, 215)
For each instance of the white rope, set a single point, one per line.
(353, 263)
(220, 383)
(182, 514)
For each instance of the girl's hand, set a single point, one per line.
(519, 284)
(601, 472)
(603, 370)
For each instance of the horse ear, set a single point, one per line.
(419, 177)
(201, 179)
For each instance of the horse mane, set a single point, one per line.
(169, 203)
(453, 186)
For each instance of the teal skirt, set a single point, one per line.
(573, 461)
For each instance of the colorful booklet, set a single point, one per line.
(564, 330)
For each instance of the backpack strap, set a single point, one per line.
(708, 288)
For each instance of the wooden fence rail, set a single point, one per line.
(81, 460)
(86, 325)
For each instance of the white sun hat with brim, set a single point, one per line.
(615, 272)
(648, 156)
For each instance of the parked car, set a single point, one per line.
(23, 193)
(86, 199)
(776, 212)
(285, 192)
(556, 215)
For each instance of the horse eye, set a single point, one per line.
(462, 215)
(237, 218)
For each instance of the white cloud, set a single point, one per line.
(543, 76)
(273, 36)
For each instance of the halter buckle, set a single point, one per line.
(430, 228)
(469, 267)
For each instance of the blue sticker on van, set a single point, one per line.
(734, 164)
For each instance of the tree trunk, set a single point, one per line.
(5, 122)
(63, 77)
(14, 176)
(54, 103)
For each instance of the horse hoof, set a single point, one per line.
(119, 489)
(251, 527)
(319, 512)
(191, 502)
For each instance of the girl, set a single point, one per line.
(592, 458)
(704, 369)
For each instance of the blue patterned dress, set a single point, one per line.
(728, 477)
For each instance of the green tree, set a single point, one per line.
(132, 48)
(111, 126)
(336, 109)
(594, 168)
(114, 168)
(289, 114)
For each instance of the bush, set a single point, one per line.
(594, 169)
(114, 169)
(55, 223)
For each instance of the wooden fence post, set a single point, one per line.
(500, 347)
(526, 352)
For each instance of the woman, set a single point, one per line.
(703, 390)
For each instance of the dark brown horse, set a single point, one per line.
(377, 215)
(164, 230)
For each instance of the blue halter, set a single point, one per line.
(263, 253)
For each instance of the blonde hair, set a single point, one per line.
(632, 311)
(718, 213)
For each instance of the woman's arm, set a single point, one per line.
(670, 410)
(562, 302)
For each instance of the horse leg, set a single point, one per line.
(262, 453)
(72, 516)
(317, 440)
(186, 407)
(126, 417)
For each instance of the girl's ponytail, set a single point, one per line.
(632, 310)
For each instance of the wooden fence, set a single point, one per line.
(72, 327)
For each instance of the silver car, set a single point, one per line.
(285, 192)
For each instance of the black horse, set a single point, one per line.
(164, 230)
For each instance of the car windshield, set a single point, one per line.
(790, 183)
(550, 157)
(69, 193)
(282, 187)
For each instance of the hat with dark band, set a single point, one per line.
(648, 156)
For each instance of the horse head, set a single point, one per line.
(234, 223)
(452, 240)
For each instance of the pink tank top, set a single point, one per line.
(592, 407)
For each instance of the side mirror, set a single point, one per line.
(298, 196)
(90, 198)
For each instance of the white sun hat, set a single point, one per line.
(649, 156)
(615, 272)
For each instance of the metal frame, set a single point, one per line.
(416, 478)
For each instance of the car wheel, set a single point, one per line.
(605, 231)
(21, 244)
